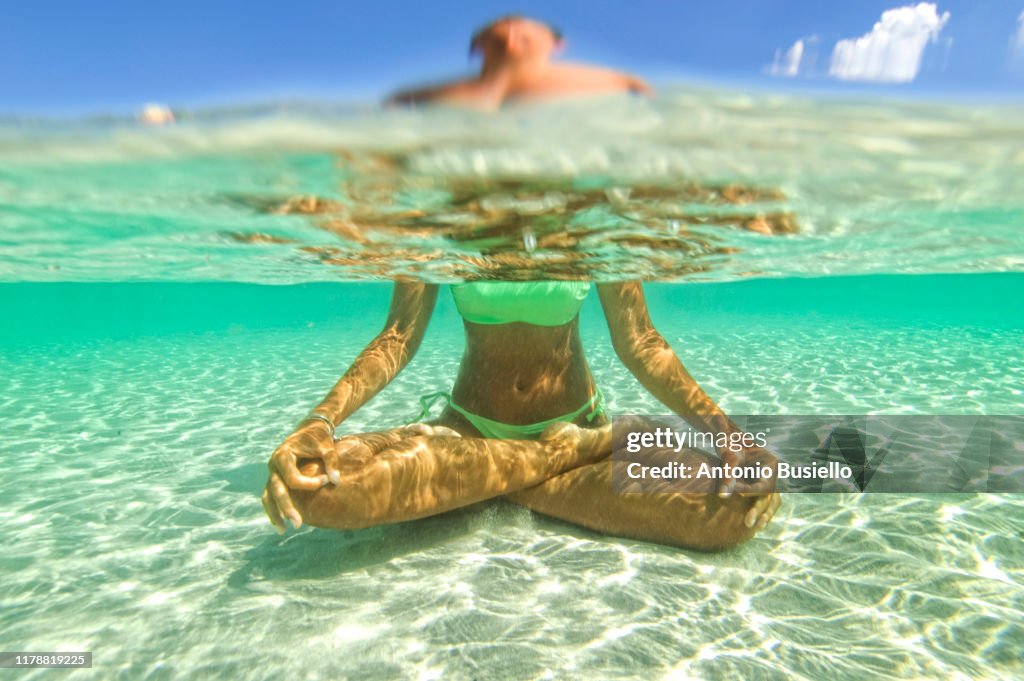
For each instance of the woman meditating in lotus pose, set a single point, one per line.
(524, 419)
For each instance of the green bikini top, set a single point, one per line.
(543, 303)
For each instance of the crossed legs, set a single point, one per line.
(426, 469)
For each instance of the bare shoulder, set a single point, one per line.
(589, 78)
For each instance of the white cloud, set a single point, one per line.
(1016, 61)
(788, 64)
(891, 52)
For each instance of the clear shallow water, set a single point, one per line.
(690, 185)
(138, 418)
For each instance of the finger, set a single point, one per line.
(289, 470)
(424, 429)
(727, 487)
(750, 519)
(766, 515)
(445, 431)
(773, 507)
(284, 502)
(271, 510)
(768, 508)
(284, 463)
(762, 522)
(429, 430)
(331, 469)
(757, 509)
(728, 484)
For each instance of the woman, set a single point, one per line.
(517, 64)
(524, 419)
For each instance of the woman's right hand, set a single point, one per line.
(311, 440)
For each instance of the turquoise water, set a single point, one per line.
(138, 418)
(872, 188)
(165, 325)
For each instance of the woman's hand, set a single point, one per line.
(311, 440)
(760, 490)
(763, 510)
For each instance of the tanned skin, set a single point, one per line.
(517, 65)
(516, 373)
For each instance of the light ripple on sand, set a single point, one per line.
(145, 543)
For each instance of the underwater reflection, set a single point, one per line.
(396, 222)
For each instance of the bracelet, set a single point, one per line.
(314, 416)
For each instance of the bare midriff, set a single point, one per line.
(521, 373)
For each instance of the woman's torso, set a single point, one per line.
(521, 372)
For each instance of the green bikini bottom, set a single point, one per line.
(508, 431)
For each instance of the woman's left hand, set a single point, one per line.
(763, 510)
(761, 490)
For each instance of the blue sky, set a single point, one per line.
(113, 55)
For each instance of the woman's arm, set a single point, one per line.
(471, 93)
(584, 78)
(387, 354)
(649, 357)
